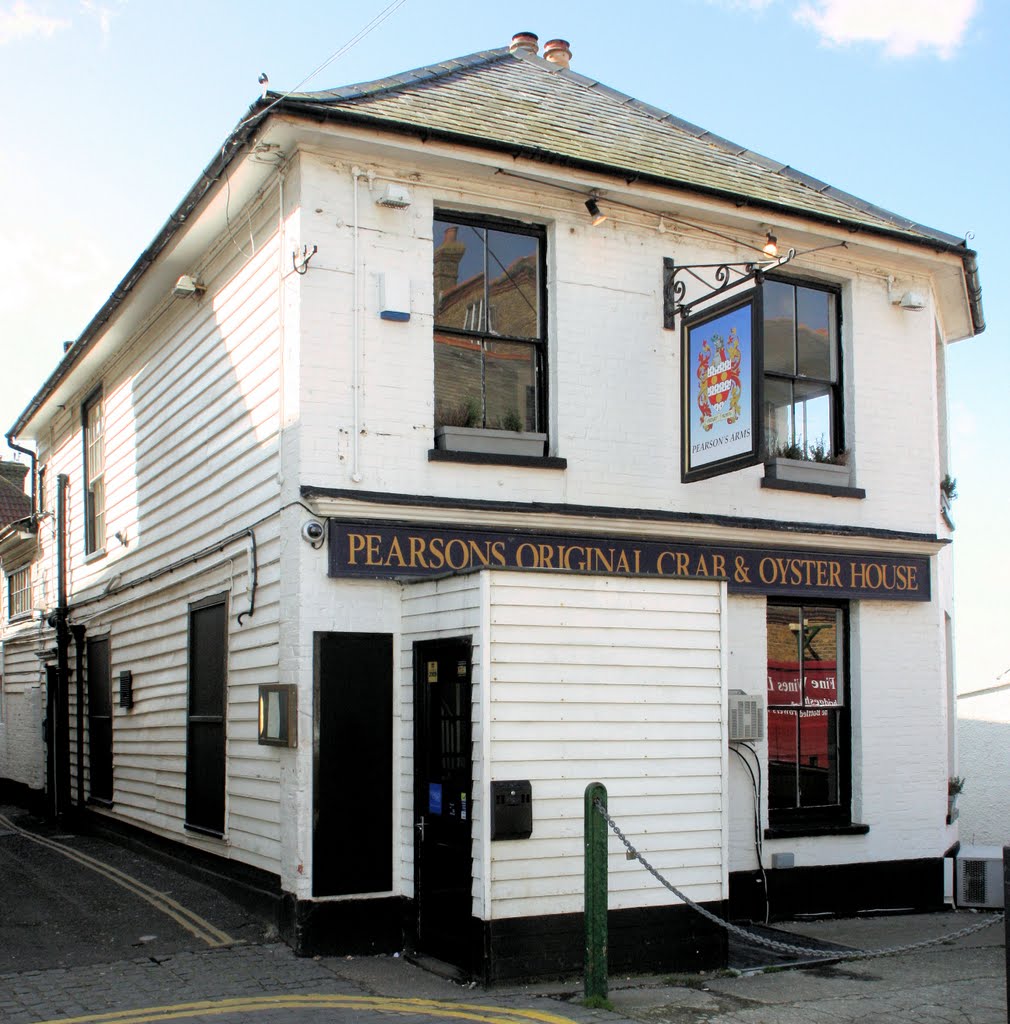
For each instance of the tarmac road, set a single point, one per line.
(92, 933)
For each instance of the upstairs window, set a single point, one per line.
(490, 334)
(19, 592)
(93, 422)
(802, 394)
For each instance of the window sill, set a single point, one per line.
(497, 459)
(811, 829)
(813, 488)
(94, 556)
(813, 477)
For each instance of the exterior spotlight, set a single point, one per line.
(912, 301)
(186, 287)
(595, 212)
(771, 246)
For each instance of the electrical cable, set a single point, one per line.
(385, 13)
(755, 785)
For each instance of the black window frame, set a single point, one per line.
(93, 545)
(836, 387)
(824, 817)
(540, 343)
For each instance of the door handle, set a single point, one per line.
(420, 827)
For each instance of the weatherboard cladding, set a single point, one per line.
(499, 98)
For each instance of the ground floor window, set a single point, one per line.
(807, 714)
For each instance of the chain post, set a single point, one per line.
(596, 892)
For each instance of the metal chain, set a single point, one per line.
(785, 947)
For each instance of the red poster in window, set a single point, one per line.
(797, 731)
(820, 684)
(784, 684)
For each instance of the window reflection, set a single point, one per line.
(801, 408)
(804, 700)
(489, 326)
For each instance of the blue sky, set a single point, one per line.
(112, 109)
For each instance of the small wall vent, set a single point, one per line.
(979, 877)
(746, 717)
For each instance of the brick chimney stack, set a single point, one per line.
(15, 472)
(447, 259)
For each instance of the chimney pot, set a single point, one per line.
(558, 51)
(528, 41)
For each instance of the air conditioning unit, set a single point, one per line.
(979, 876)
(746, 717)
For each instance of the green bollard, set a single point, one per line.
(596, 895)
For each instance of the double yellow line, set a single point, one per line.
(375, 1004)
(192, 922)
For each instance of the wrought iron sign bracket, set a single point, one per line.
(716, 277)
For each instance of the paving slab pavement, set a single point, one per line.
(89, 961)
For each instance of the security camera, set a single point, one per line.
(313, 531)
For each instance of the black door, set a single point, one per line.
(205, 734)
(443, 799)
(352, 835)
(99, 719)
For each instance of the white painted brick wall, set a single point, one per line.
(615, 405)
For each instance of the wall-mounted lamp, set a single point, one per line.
(910, 300)
(771, 246)
(278, 716)
(186, 287)
(597, 215)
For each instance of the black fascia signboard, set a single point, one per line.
(402, 551)
(720, 388)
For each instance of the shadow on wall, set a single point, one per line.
(984, 761)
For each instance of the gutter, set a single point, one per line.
(34, 457)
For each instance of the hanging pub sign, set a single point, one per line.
(720, 373)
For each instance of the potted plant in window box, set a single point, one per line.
(814, 464)
(955, 786)
(460, 430)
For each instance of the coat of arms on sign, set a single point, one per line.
(719, 385)
(720, 372)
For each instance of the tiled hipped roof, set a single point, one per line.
(528, 105)
(14, 503)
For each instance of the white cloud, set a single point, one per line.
(903, 28)
(21, 22)
(102, 13)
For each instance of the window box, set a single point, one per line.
(806, 471)
(491, 442)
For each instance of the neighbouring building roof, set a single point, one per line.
(14, 503)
